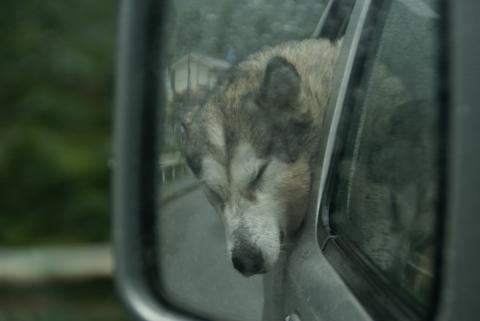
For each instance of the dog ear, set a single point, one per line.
(281, 84)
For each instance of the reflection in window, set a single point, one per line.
(386, 184)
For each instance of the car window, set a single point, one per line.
(205, 40)
(385, 186)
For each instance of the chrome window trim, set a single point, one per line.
(335, 120)
(322, 20)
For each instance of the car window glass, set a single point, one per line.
(385, 189)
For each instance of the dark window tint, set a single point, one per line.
(385, 187)
(335, 24)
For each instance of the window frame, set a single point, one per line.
(366, 281)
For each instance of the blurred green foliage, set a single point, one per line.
(56, 70)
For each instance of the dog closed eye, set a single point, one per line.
(258, 177)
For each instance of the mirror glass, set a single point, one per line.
(204, 40)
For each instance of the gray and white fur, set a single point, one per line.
(251, 143)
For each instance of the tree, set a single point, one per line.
(56, 61)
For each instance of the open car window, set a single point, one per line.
(204, 43)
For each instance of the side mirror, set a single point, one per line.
(170, 256)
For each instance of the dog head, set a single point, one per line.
(250, 144)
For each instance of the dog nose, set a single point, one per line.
(248, 260)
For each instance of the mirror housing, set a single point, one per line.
(137, 95)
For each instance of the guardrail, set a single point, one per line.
(172, 166)
(177, 180)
